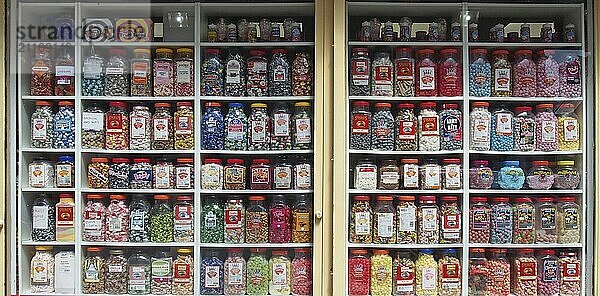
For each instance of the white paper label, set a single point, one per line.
(432, 176)
(571, 130)
(282, 177)
(115, 268)
(138, 127)
(362, 223)
(64, 265)
(233, 72)
(481, 130)
(411, 175)
(390, 177)
(502, 79)
(63, 175)
(429, 219)
(504, 124)
(211, 277)
(303, 131)
(40, 217)
(429, 281)
(259, 131)
(114, 71)
(183, 177)
(548, 131)
(427, 75)
(407, 219)
(161, 129)
(281, 122)
(162, 176)
(235, 273)
(39, 129)
(452, 176)
(303, 176)
(279, 274)
(114, 224)
(184, 72)
(65, 71)
(39, 272)
(92, 69)
(37, 175)
(385, 224)
(92, 121)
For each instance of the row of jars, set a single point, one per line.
(547, 34)
(407, 222)
(552, 128)
(547, 221)
(43, 173)
(53, 130)
(277, 129)
(44, 223)
(509, 175)
(264, 30)
(527, 273)
(376, 30)
(430, 130)
(52, 76)
(382, 274)
(407, 173)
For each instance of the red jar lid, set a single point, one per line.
(117, 196)
(500, 52)
(256, 198)
(213, 51)
(545, 199)
(235, 161)
(479, 199)
(383, 105)
(425, 51)
(481, 162)
(544, 106)
(261, 161)
(359, 252)
(212, 104)
(384, 198)
(188, 104)
(65, 103)
(362, 197)
(406, 198)
(279, 252)
(567, 199)
(380, 252)
(95, 196)
(500, 199)
(428, 105)
(450, 106)
(162, 105)
(138, 160)
(120, 160)
(360, 104)
(523, 109)
(477, 250)
(521, 251)
(446, 51)
(117, 104)
(95, 249)
(361, 49)
(451, 160)
(43, 103)
(161, 197)
(449, 198)
(410, 160)
(501, 251)
(479, 51)
(524, 52)
(406, 50)
(480, 104)
(406, 105)
(522, 199)
(186, 160)
(257, 52)
(184, 198)
(279, 50)
(65, 195)
(427, 198)
(540, 163)
(258, 250)
(100, 159)
(545, 52)
(547, 252)
(212, 160)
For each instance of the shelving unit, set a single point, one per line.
(487, 14)
(201, 14)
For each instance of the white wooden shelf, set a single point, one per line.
(522, 100)
(47, 150)
(132, 244)
(379, 152)
(106, 98)
(405, 246)
(138, 44)
(528, 45)
(47, 98)
(51, 243)
(404, 99)
(31, 189)
(524, 191)
(150, 191)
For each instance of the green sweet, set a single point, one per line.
(161, 225)
(257, 279)
(212, 218)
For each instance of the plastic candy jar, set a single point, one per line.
(502, 134)
(360, 220)
(365, 175)
(568, 221)
(409, 170)
(451, 127)
(260, 174)
(184, 174)
(117, 126)
(117, 74)
(42, 125)
(212, 274)
(257, 221)
(480, 128)
(449, 269)
(279, 273)
(281, 132)
(235, 74)
(141, 73)
(280, 79)
(279, 221)
(211, 83)
(360, 131)
(257, 279)
(450, 73)
(116, 272)
(257, 82)
(406, 128)
(302, 174)
(301, 273)
(406, 220)
(139, 270)
(524, 221)
(430, 175)
(570, 33)
(65, 222)
(140, 128)
(94, 222)
(548, 74)
(570, 76)
(161, 220)
(473, 32)
(381, 273)
(382, 75)
(235, 219)
(570, 274)
(429, 127)
(139, 219)
(163, 73)
(359, 270)
(184, 72)
(236, 128)
(64, 126)
(234, 276)
(480, 73)
(234, 174)
(426, 72)
(403, 274)
(525, 273)
(140, 174)
(511, 176)
(545, 221)
(384, 222)
(302, 126)
(451, 173)
(500, 283)
(259, 128)
(524, 74)
(42, 75)
(93, 277)
(501, 74)
(92, 127)
(183, 223)
(41, 173)
(546, 128)
(479, 273)
(426, 274)
(302, 75)
(162, 127)
(568, 128)
(163, 174)
(360, 70)
(98, 173)
(382, 128)
(524, 129)
(429, 221)
(479, 221)
(43, 215)
(548, 273)
(389, 175)
(501, 221)
(183, 275)
(212, 127)
(450, 220)
(183, 119)
(65, 172)
(92, 79)
(301, 220)
(212, 221)
(404, 79)
(117, 219)
(540, 176)
(567, 176)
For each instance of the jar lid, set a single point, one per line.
(565, 163)
(301, 250)
(501, 251)
(406, 198)
(212, 104)
(547, 252)
(184, 250)
(257, 52)
(481, 162)
(66, 158)
(500, 199)
(449, 198)
(99, 159)
(117, 196)
(65, 103)
(361, 49)
(162, 105)
(451, 160)
(545, 199)
(546, 52)
(567, 199)
(511, 163)
(425, 51)
(187, 160)
(279, 50)
(95, 196)
(261, 161)
(184, 104)
(185, 50)
(383, 105)
(427, 198)
(43, 103)
(384, 198)
(279, 252)
(540, 163)
(524, 52)
(446, 51)
(520, 109)
(258, 250)
(406, 105)
(235, 161)
(117, 51)
(164, 50)
(500, 52)
(450, 251)
(234, 250)
(522, 200)
(479, 51)
(450, 106)
(302, 104)
(477, 250)
(184, 198)
(95, 249)
(117, 104)
(212, 160)
(566, 106)
(545, 106)
(65, 195)
(362, 197)
(480, 104)
(161, 197)
(258, 105)
(380, 252)
(361, 104)
(410, 160)
(141, 50)
(140, 160)
(44, 248)
(570, 253)
(427, 251)
(116, 252)
(359, 252)
(236, 105)
(407, 50)
(521, 251)
(212, 51)
(256, 198)
(120, 160)
(479, 199)
(427, 105)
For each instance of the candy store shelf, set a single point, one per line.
(47, 150)
(405, 246)
(418, 192)
(526, 45)
(266, 152)
(268, 245)
(525, 191)
(149, 191)
(527, 100)
(105, 98)
(139, 44)
(258, 99)
(52, 243)
(256, 44)
(531, 246)
(408, 44)
(145, 152)
(528, 153)
(405, 99)
(32, 189)
(143, 245)
(248, 191)
(376, 152)
(47, 98)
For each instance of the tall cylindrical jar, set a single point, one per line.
(524, 74)
(280, 79)
(257, 84)
(428, 221)
(451, 130)
(184, 72)
(480, 72)
(429, 127)
(361, 215)
(235, 75)
(117, 74)
(117, 126)
(426, 71)
(360, 72)
(211, 81)
(548, 74)
(546, 128)
(501, 74)
(480, 126)
(42, 125)
(406, 128)
(183, 120)
(141, 73)
(404, 78)
(382, 127)
(524, 129)
(164, 75)
(382, 75)
(450, 73)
